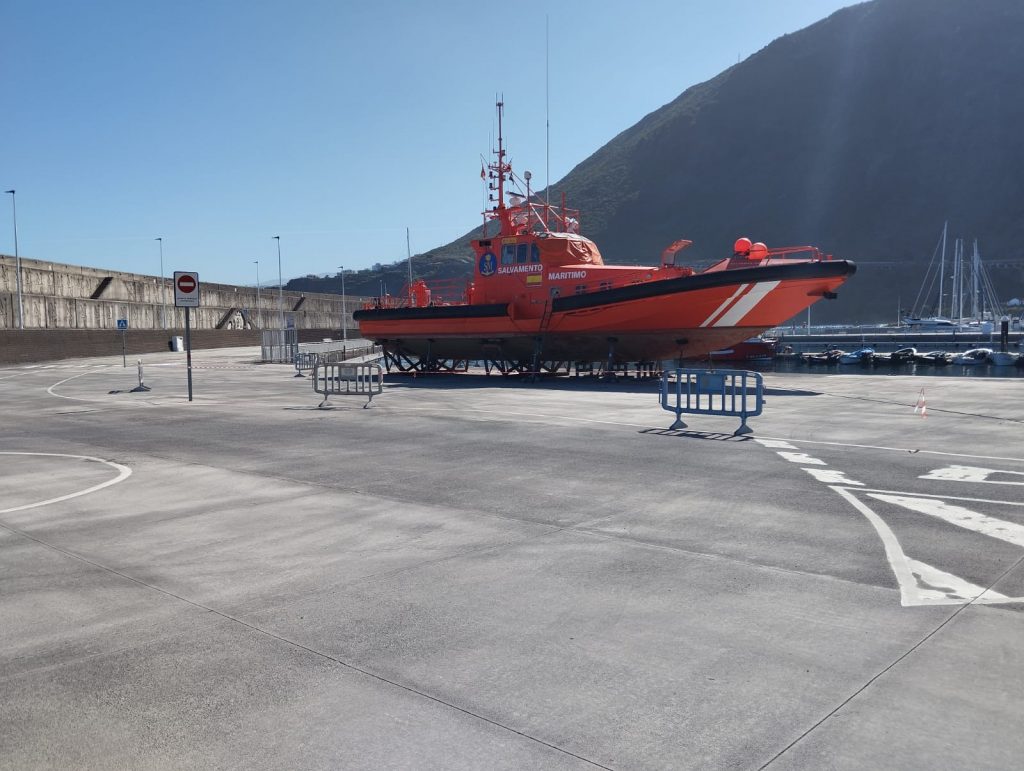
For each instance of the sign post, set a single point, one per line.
(122, 326)
(186, 295)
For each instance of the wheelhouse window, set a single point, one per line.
(534, 253)
(521, 252)
(508, 254)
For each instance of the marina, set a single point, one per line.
(477, 571)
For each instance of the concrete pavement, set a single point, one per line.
(477, 573)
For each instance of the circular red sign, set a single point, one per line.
(186, 284)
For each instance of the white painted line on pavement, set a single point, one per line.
(775, 444)
(972, 474)
(123, 472)
(51, 392)
(914, 450)
(937, 587)
(921, 584)
(832, 477)
(1010, 532)
(942, 497)
(893, 552)
(802, 457)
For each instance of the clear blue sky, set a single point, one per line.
(334, 124)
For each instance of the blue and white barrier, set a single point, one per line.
(727, 392)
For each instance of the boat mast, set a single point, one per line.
(547, 120)
(975, 270)
(498, 170)
(408, 254)
(952, 288)
(960, 281)
(942, 267)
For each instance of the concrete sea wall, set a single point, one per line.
(71, 311)
(57, 296)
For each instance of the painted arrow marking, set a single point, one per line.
(972, 474)
(919, 582)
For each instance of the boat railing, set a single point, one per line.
(536, 215)
(442, 291)
(556, 219)
(799, 252)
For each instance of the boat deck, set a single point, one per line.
(479, 573)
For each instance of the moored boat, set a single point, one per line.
(541, 291)
(862, 356)
(1004, 358)
(936, 358)
(903, 355)
(828, 356)
(751, 350)
(973, 357)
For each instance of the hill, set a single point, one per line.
(860, 134)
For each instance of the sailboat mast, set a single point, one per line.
(942, 268)
(959, 280)
(975, 270)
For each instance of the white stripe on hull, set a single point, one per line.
(746, 304)
(723, 306)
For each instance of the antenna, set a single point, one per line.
(408, 254)
(547, 113)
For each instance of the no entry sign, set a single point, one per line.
(186, 289)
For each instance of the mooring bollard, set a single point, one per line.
(141, 386)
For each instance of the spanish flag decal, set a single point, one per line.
(536, 278)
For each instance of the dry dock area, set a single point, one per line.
(481, 573)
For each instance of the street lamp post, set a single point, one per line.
(257, 262)
(280, 281)
(344, 313)
(163, 286)
(17, 261)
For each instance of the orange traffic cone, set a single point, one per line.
(921, 408)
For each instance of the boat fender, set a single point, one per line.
(758, 252)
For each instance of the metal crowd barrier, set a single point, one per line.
(280, 345)
(305, 362)
(344, 353)
(343, 379)
(729, 392)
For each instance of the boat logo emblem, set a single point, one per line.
(488, 264)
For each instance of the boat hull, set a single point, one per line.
(679, 318)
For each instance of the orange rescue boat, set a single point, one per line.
(542, 293)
